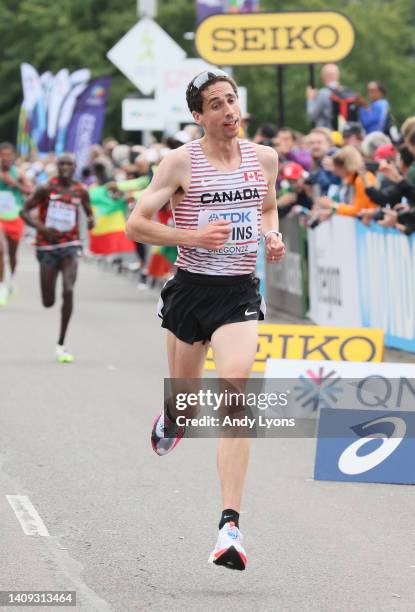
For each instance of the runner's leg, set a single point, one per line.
(13, 245)
(2, 255)
(3, 288)
(234, 347)
(48, 277)
(69, 268)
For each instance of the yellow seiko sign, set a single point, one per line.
(275, 38)
(313, 342)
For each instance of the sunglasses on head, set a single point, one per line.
(206, 76)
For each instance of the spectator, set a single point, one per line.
(353, 134)
(348, 165)
(295, 196)
(398, 190)
(374, 116)
(369, 146)
(321, 149)
(407, 127)
(286, 145)
(265, 134)
(319, 102)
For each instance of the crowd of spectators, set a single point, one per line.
(359, 165)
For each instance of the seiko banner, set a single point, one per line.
(275, 38)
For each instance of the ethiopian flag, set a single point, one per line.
(108, 235)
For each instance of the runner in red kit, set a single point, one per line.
(57, 240)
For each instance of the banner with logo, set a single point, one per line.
(312, 342)
(59, 90)
(78, 82)
(30, 119)
(386, 280)
(85, 128)
(205, 8)
(287, 288)
(362, 275)
(344, 384)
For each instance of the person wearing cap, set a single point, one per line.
(294, 196)
(222, 193)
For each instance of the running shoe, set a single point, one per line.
(62, 355)
(165, 435)
(229, 551)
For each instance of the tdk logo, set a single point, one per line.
(233, 217)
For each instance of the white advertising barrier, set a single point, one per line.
(314, 385)
(333, 287)
(143, 52)
(387, 283)
(363, 276)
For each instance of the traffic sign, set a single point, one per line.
(143, 52)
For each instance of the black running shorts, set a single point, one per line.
(193, 306)
(53, 257)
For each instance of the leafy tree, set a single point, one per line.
(79, 33)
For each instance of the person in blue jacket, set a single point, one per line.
(374, 116)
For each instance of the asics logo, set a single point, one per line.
(248, 313)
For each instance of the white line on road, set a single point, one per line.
(27, 515)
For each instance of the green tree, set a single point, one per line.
(79, 33)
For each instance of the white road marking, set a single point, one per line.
(27, 515)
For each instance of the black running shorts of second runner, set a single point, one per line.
(53, 257)
(193, 306)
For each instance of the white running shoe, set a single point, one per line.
(62, 355)
(229, 551)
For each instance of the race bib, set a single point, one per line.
(61, 216)
(7, 202)
(244, 234)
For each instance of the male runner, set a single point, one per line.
(57, 239)
(13, 184)
(214, 296)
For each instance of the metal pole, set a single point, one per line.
(280, 93)
(312, 72)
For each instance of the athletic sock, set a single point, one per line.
(229, 515)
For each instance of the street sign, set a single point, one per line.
(142, 114)
(275, 38)
(143, 52)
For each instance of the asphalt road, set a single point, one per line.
(128, 530)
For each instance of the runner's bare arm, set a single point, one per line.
(171, 177)
(86, 205)
(275, 248)
(25, 185)
(269, 162)
(34, 200)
